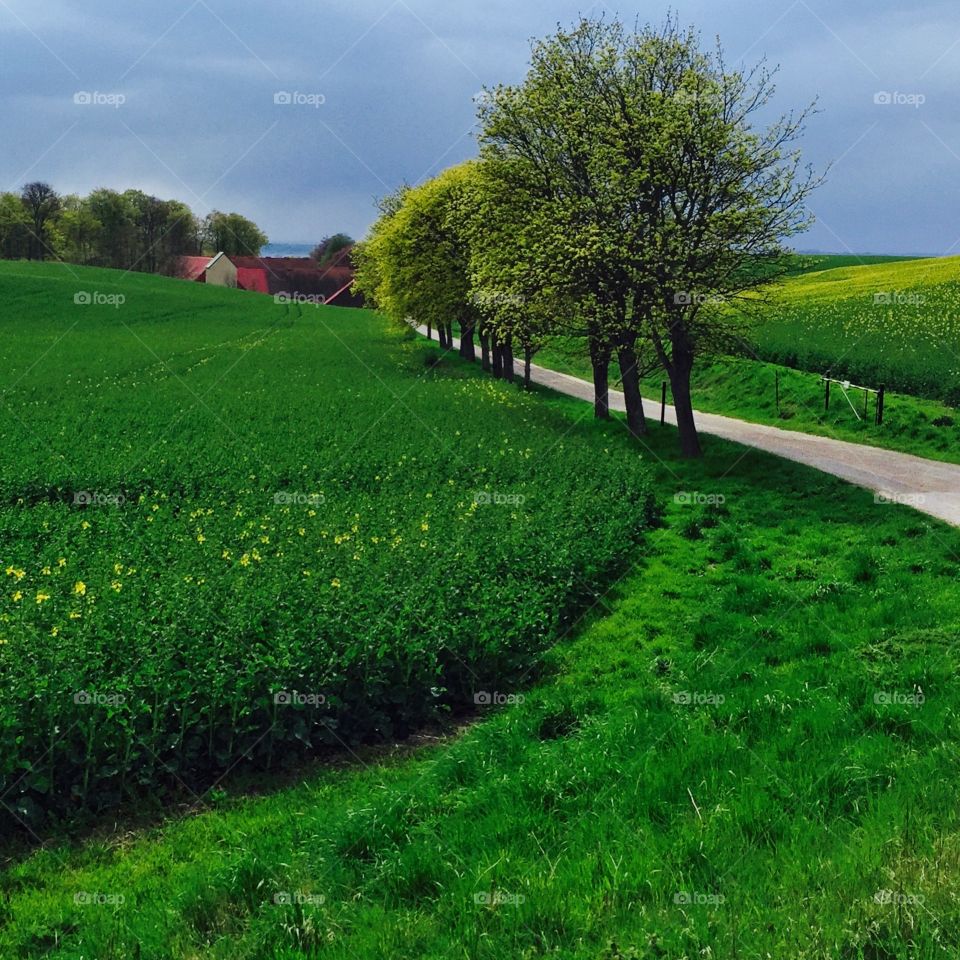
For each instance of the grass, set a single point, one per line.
(748, 749)
(747, 390)
(237, 533)
(825, 320)
(812, 262)
(889, 323)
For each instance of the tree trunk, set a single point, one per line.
(630, 378)
(485, 350)
(449, 336)
(429, 332)
(508, 372)
(527, 357)
(600, 361)
(680, 385)
(497, 359)
(441, 335)
(467, 349)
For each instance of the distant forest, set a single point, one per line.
(130, 230)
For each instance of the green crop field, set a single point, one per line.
(896, 324)
(748, 749)
(812, 262)
(236, 532)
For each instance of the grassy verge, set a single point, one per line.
(746, 389)
(749, 750)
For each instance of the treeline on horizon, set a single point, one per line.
(131, 230)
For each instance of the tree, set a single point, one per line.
(415, 262)
(118, 241)
(80, 230)
(233, 235)
(15, 225)
(327, 251)
(42, 203)
(650, 201)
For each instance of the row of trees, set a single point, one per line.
(130, 230)
(623, 200)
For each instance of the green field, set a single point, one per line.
(812, 262)
(748, 747)
(896, 324)
(757, 753)
(236, 533)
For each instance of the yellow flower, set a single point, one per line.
(41, 597)
(85, 525)
(201, 538)
(225, 555)
(118, 568)
(302, 532)
(245, 560)
(54, 631)
(424, 526)
(46, 571)
(18, 596)
(75, 615)
(79, 588)
(335, 583)
(2, 641)
(117, 585)
(62, 562)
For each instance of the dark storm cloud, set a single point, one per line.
(198, 119)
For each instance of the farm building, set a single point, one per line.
(299, 276)
(219, 271)
(293, 276)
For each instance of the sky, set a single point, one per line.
(300, 113)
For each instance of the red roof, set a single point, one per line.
(253, 278)
(192, 268)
